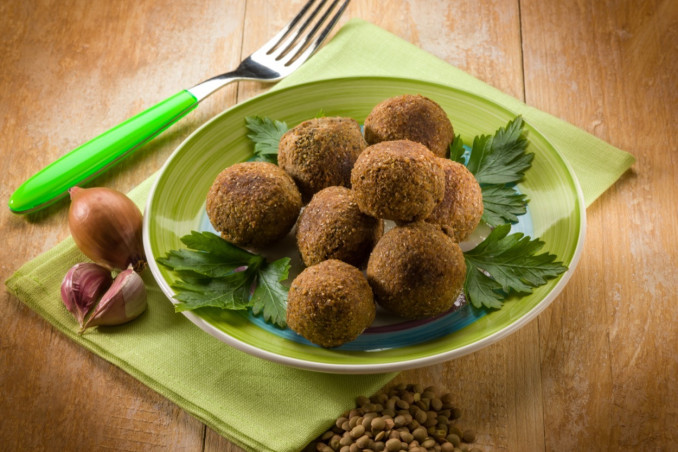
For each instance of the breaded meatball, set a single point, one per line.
(416, 271)
(333, 227)
(398, 180)
(320, 153)
(253, 204)
(462, 206)
(410, 117)
(330, 303)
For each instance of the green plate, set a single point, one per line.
(176, 206)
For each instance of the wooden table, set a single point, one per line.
(598, 370)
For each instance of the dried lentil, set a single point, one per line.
(371, 426)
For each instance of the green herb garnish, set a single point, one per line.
(504, 264)
(502, 204)
(498, 162)
(501, 159)
(215, 273)
(266, 134)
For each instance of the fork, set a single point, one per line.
(279, 57)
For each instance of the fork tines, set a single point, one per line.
(291, 42)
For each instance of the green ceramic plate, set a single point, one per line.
(177, 205)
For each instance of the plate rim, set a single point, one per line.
(368, 368)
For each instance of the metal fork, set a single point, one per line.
(279, 57)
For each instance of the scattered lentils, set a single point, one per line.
(402, 418)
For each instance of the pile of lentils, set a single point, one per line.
(405, 417)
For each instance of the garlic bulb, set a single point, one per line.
(82, 286)
(106, 226)
(125, 300)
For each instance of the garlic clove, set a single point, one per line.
(82, 287)
(125, 300)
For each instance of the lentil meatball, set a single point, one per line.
(333, 227)
(398, 180)
(416, 271)
(411, 117)
(320, 153)
(330, 303)
(253, 204)
(461, 209)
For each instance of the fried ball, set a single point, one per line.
(333, 227)
(320, 153)
(462, 206)
(398, 180)
(253, 204)
(416, 271)
(410, 117)
(330, 303)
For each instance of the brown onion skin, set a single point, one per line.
(106, 225)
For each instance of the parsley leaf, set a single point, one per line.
(457, 150)
(498, 162)
(501, 159)
(502, 204)
(229, 292)
(503, 264)
(209, 255)
(266, 134)
(215, 273)
(482, 146)
(270, 297)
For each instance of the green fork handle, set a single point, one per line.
(90, 159)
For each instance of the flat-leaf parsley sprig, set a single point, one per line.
(215, 273)
(265, 134)
(504, 264)
(498, 162)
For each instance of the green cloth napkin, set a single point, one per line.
(259, 405)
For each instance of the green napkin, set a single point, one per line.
(246, 399)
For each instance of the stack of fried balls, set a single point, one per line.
(350, 184)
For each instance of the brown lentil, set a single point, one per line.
(375, 427)
(446, 447)
(428, 443)
(378, 424)
(357, 431)
(419, 434)
(468, 436)
(323, 448)
(363, 441)
(346, 440)
(406, 436)
(393, 445)
(454, 439)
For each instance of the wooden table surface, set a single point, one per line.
(598, 370)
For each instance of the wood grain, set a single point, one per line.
(73, 69)
(610, 360)
(597, 370)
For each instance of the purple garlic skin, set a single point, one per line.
(82, 287)
(125, 300)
